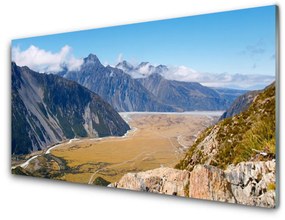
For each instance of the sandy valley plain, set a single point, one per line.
(155, 140)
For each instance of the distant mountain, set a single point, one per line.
(229, 94)
(116, 87)
(143, 88)
(188, 96)
(47, 109)
(125, 66)
(240, 104)
(144, 69)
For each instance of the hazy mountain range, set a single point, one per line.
(143, 88)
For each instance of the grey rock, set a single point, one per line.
(246, 183)
(250, 182)
(161, 180)
(208, 182)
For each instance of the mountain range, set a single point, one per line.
(47, 109)
(116, 87)
(143, 88)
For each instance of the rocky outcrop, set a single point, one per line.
(253, 183)
(247, 183)
(208, 182)
(161, 180)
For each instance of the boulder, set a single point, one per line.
(208, 182)
(253, 183)
(247, 183)
(161, 180)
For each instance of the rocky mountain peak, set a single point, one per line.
(92, 58)
(125, 66)
(161, 68)
(155, 76)
(143, 64)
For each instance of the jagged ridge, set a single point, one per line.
(121, 87)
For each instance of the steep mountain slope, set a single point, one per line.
(116, 87)
(240, 104)
(188, 96)
(248, 136)
(47, 109)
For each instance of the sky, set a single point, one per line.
(230, 43)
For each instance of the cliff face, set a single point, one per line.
(47, 109)
(247, 183)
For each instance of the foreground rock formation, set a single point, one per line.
(162, 180)
(247, 183)
(253, 183)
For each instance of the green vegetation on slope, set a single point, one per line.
(99, 181)
(249, 135)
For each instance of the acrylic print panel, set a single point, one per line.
(183, 107)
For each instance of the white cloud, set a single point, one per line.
(256, 49)
(46, 61)
(238, 81)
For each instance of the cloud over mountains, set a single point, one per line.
(186, 74)
(238, 81)
(41, 60)
(46, 61)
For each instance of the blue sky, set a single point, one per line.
(240, 41)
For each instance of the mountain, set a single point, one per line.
(247, 136)
(116, 87)
(125, 66)
(229, 94)
(188, 96)
(47, 108)
(144, 69)
(143, 88)
(240, 104)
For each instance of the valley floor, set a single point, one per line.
(156, 140)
